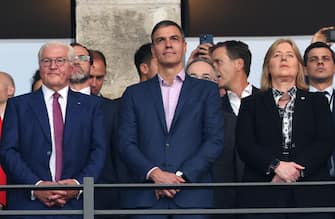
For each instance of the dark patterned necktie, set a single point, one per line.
(58, 134)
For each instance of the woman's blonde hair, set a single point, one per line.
(266, 76)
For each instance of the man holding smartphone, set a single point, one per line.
(202, 50)
(325, 34)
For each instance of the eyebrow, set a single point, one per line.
(166, 37)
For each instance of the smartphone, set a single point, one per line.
(206, 38)
(330, 34)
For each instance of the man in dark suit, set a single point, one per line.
(105, 199)
(232, 60)
(52, 136)
(319, 60)
(170, 130)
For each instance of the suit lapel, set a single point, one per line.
(38, 106)
(156, 93)
(299, 112)
(73, 113)
(270, 104)
(185, 92)
(226, 105)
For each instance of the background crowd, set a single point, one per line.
(195, 123)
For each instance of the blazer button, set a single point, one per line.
(167, 145)
(48, 153)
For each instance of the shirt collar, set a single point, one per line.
(85, 90)
(48, 92)
(277, 93)
(328, 89)
(247, 91)
(180, 76)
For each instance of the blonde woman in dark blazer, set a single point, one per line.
(284, 134)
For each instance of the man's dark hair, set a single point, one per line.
(142, 55)
(166, 23)
(236, 50)
(317, 45)
(35, 78)
(88, 51)
(96, 54)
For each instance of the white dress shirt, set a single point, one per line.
(85, 90)
(235, 100)
(48, 98)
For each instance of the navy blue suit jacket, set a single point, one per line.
(26, 144)
(108, 198)
(193, 143)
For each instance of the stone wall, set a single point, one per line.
(118, 28)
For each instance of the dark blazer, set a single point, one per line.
(108, 198)
(231, 164)
(26, 145)
(259, 140)
(226, 103)
(193, 143)
(228, 167)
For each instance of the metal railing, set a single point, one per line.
(89, 212)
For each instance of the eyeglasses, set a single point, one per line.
(59, 61)
(82, 58)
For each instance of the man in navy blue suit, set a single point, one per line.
(170, 130)
(29, 146)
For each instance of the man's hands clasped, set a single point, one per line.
(56, 197)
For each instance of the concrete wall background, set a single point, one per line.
(118, 28)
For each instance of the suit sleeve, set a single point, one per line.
(128, 147)
(251, 152)
(318, 151)
(213, 135)
(11, 159)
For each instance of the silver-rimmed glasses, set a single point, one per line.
(59, 61)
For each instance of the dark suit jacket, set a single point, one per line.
(231, 167)
(26, 144)
(193, 143)
(109, 198)
(228, 167)
(259, 141)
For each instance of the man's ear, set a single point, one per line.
(10, 91)
(144, 68)
(239, 63)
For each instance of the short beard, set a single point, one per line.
(79, 78)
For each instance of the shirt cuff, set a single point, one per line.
(32, 196)
(149, 172)
(80, 191)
